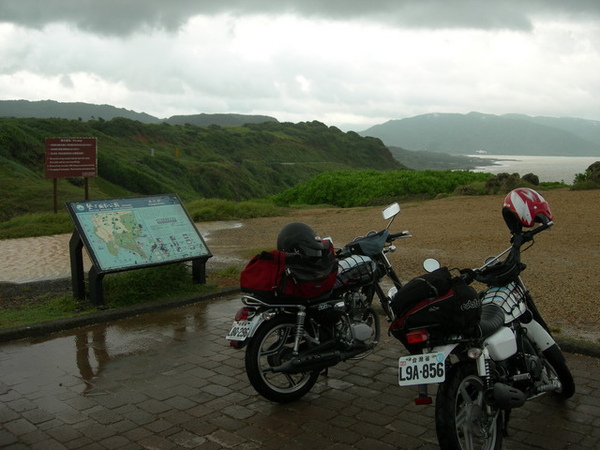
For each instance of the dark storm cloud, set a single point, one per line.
(124, 17)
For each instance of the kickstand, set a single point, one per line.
(505, 422)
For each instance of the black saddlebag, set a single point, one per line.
(436, 300)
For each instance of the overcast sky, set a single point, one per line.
(348, 63)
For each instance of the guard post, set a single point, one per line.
(132, 233)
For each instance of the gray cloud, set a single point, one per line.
(339, 61)
(118, 17)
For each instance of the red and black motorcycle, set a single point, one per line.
(308, 307)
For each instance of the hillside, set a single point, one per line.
(502, 135)
(235, 163)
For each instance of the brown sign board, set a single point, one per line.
(71, 157)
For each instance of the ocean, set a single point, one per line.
(547, 168)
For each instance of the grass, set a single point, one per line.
(36, 224)
(166, 282)
(44, 308)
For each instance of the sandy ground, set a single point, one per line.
(563, 265)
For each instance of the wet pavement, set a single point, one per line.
(169, 380)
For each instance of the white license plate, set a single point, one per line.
(241, 330)
(421, 369)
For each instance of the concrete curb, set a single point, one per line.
(586, 348)
(102, 316)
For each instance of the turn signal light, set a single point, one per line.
(417, 337)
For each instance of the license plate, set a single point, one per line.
(241, 330)
(421, 369)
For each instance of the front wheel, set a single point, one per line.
(463, 420)
(558, 368)
(271, 346)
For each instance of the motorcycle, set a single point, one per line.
(290, 342)
(488, 365)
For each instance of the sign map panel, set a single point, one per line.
(136, 232)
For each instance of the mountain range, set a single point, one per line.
(455, 134)
(46, 109)
(509, 134)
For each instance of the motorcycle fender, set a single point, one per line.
(445, 349)
(538, 335)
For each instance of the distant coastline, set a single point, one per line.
(547, 168)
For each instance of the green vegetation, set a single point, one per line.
(36, 224)
(590, 179)
(233, 163)
(45, 308)
(349, 189)
(166, 282)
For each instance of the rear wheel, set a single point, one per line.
(463, 420)
(271, 346)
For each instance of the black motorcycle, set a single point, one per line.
(289, 341)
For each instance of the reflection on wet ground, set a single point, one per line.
(87, 352)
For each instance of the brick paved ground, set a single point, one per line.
(169, 380)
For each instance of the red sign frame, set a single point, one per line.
(71, 157)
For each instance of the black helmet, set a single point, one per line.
(297, 237)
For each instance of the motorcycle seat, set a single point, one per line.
(492, 318)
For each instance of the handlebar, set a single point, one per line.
(511, 266)
(526, 236)
(403, 234)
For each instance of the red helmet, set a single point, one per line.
(525, 207)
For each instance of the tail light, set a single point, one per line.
(244, 313)
(423, 397)
(423, 401)
(417, 337)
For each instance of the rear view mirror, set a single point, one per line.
(390, 211)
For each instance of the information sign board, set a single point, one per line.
(129, 233)
(71, 157)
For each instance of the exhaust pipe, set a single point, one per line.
(503, 396)
(318, 361)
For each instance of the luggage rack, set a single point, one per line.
(249, 300)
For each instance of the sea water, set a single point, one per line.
(547, 168)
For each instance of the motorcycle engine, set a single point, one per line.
(534, 366)
(362, 332)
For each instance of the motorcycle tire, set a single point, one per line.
(271, 346)
(556, 359)
(460, 412)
